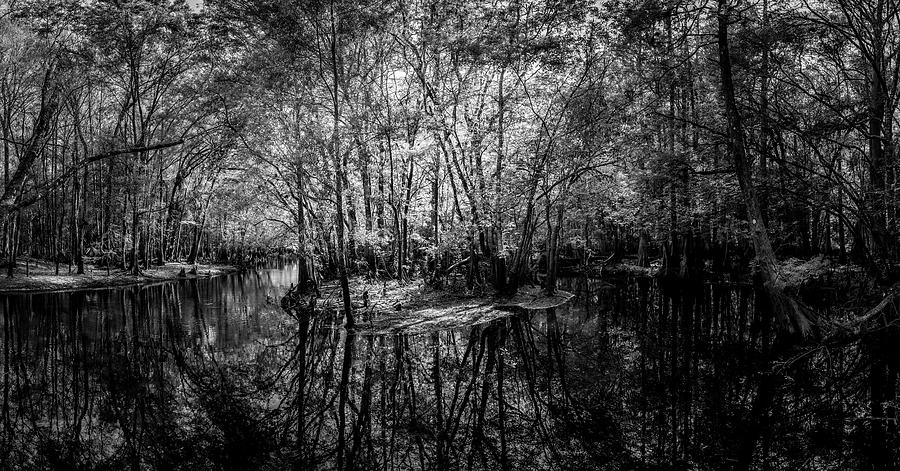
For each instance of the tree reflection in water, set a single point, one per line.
(207, 374)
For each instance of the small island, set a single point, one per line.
(383, 307)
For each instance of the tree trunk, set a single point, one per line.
(523, 252)
(553, 250)
(643, 243)
(50, 94)
(791, 315)
(339, 172)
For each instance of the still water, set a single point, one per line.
(212, 374)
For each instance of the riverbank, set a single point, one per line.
(41, 276)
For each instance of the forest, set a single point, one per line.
(494, 140)
(495, 148)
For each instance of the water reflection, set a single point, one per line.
(210, 374)
(114, 378)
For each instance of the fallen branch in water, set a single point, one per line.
(856, 325)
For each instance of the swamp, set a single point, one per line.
(449, 234)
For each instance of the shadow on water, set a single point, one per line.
(211, 374)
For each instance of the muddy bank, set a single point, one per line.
(42, 277)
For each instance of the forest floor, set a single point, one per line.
(40, 276)
(412, 307)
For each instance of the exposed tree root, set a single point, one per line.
(793, 317)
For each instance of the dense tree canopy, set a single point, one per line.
(484, 140)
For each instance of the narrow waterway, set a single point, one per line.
(212, 374)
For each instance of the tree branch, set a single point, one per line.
(37, 193)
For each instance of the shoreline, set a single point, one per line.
(97, 279)
(390, 307)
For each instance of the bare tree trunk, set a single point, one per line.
(764, 116)
(50, 98)
(135, 236)
(553, 248)
(368, 209)
(670, 136)
(643, 243)
(435, 217)
(523, 252)
(339, 171)
(78, 222)
(791, 314)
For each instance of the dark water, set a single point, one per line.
(211, 374)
